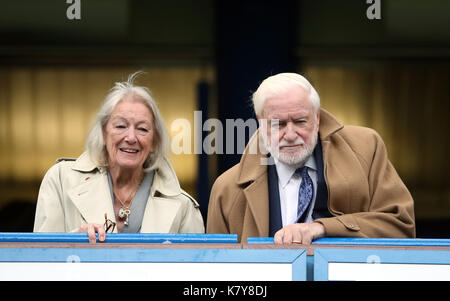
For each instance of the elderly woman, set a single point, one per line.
(122, 182)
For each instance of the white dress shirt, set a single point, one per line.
(289, 185)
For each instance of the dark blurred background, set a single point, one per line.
(391, 74)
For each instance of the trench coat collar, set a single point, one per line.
(328, 124)
(166, 181)
(84, 163)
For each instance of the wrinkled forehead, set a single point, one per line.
(133, 101)
(132, 110)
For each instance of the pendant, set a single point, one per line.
(121, 213)
(124, 213)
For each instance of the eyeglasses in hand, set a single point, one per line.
(109, 225)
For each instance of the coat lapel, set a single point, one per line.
(258, 205)
(253, 172)
(160, 214)
(92, 199)
(333, 163)
(162, 209)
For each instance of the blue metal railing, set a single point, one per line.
(118, 237)
(346, 241)
(210, 238)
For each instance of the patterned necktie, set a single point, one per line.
(305, 193)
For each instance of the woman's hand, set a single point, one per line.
(91, 229)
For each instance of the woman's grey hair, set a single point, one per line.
(95, 145)
(277, 84)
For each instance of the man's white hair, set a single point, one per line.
(95, 145)
(276, 84)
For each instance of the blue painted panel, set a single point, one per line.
(299, 267)
(324, 256)
(147, 255)
(419, 242)
(297, 258)
(119, 238)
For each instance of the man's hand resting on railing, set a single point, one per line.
(300, 233)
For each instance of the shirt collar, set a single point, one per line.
(285, 171)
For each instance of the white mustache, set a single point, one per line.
(298, 142)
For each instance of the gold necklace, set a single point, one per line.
(124, 210)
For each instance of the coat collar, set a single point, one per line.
(253, 162)
(84, 163)
(166, 181)
(328, 124)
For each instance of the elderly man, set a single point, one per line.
(326, 179)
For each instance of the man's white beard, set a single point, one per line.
(286, 157)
